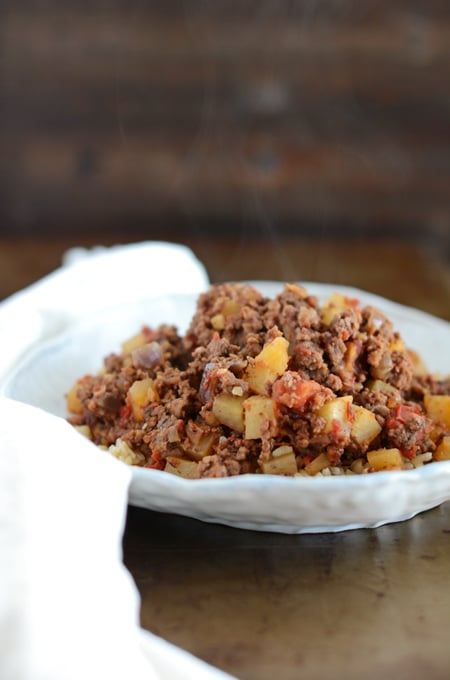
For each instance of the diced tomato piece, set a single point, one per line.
(124, 413)
(295, 392)
(351, 302)
(336, 429)
(157, 461)
(409, 419)
(410, 453)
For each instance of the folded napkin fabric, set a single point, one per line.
(69, 609)
(90, 281)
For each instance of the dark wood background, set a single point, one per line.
(170, 117)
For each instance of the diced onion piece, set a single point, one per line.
(149, 355)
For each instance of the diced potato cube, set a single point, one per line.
(336, 304)
(230, 308)
(382, 386)
(229, 410)
(200, 443)
(282, 450)
(443, 449)
(270, 363)
(133, 343)
(218, 322)
(140, 394)
(397, 345)
(74, 404)
(437, 407)
(365, 426)
(280, 465)
(182, 467)
(420, 367)
(260, 417)
(317, 464)
(385, 459)
(338, 415)
(351, 355)
(85, 430)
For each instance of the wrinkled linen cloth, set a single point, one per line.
(69, 609)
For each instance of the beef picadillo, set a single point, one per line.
(261, 385)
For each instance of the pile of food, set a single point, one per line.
(281, 386)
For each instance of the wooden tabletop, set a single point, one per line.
(362, 604)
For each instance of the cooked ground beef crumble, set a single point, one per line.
(274, 386)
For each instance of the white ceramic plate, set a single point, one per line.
(266, 503)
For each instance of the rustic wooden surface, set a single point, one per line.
(316, 116)
(409, 273)
(358, 605)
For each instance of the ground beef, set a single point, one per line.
(260, 385)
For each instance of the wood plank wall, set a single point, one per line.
(316, 116)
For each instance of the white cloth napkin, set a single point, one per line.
(69, 610)
(89, 281)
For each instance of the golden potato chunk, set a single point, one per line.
(338, 415)
(181, 467)
(420, 367)
(280, 465)
(365, 426)
(133, 343)
(268, 365)
(385, 459)
(317, 464)
(335, 304)
(229, 411)
(443, 449)
(260, 417)
(200, 443)
(140, 394)
(74, 404)
(437, 407)
(85, 430)
(382, 386)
